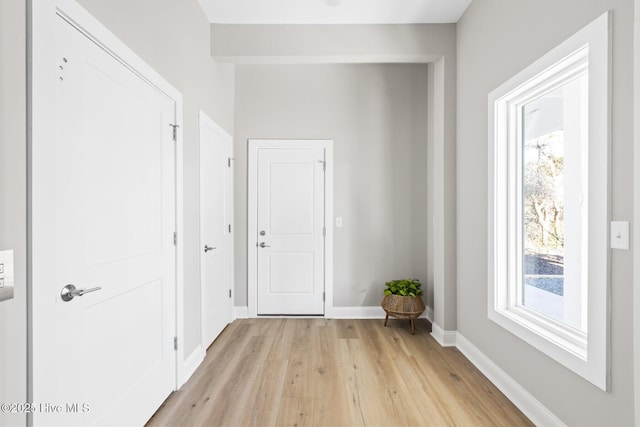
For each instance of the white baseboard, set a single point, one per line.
(444, 338)
(367, 312)
(370, 312)
(240, 312)
(191, 363)
(428, 314)
(529, 405)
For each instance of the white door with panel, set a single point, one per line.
(216, 265)
(290, 233)
(104, 260)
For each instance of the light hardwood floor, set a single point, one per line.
(322, 372)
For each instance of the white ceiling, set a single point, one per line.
(333, 11)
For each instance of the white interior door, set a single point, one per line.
(290, 230)
(215, 228)
(103, 221)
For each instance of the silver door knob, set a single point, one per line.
(208, 248)
(264, 245)
(69, 292)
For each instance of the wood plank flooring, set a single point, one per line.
(324, 372)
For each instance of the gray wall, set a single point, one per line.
(173, 37)
(377, 117)
(496, 39)
(13, 203)
(237, 42)
(375, 44)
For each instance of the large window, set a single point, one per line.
(553, 144)
(548, 210)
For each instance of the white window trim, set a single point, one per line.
(585, 354)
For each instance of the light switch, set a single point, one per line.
(1, 268)
(338, 222)
(6, 277)
(620, 235)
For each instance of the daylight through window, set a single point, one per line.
(554, 147)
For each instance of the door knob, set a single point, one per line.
(264, 245)
(70, 291)
(208, 248)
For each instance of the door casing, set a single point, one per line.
(254, 145)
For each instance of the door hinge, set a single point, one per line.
(229, 293)
(175, 343)
(229, 228)
(229, 162)
(324, 231)
(323, 296)
(324, 164)
(175, 238)
(175, 131)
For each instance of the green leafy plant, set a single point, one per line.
(404, 287)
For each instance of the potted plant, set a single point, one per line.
(403, 300)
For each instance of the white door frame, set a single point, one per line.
(252, 218)
(42, 97)
(635, 246)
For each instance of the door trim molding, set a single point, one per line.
(636, 210)
(40, 97)
(252, 220)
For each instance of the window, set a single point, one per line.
(553, 144)
(548, 207)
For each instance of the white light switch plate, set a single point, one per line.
(338, 221)
(620, 235)
(6, 259)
